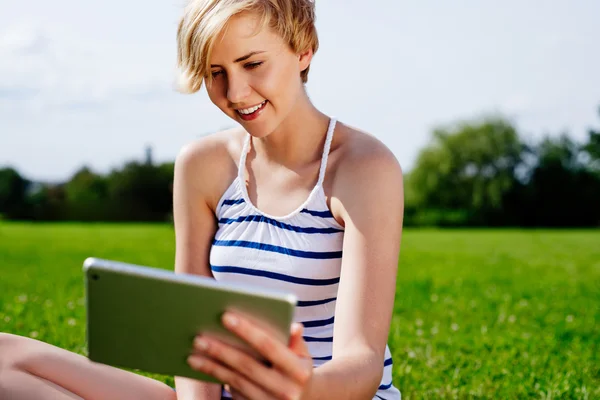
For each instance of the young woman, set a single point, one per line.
(291, 199)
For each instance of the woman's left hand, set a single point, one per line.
(287, 377)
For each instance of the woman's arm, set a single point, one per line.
(194, 230)
(368, 192)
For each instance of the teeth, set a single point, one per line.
(250, 110)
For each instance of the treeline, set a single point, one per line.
(483, 173)
(476, 173)
(136, 192)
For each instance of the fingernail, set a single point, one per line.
(201, 344)
(195, 362)
(231, 320)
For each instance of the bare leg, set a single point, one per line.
(30, 369)
(21, 385)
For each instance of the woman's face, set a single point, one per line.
(255, 75)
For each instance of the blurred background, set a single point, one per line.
(492, 108)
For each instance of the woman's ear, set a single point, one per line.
(304, 59)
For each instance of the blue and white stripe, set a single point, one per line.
(300, 253)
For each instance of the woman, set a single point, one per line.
(291, 199)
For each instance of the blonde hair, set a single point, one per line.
(204, 20)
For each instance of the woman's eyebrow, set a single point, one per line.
(243, 58)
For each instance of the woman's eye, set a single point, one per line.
(253, 64)
(216, 73)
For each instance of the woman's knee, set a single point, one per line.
(21, 354)
(9, 347)
(15, 350)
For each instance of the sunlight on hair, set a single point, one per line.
(204, 20)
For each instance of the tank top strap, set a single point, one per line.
(326, 149)
(242, 164)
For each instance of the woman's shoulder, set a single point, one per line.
(363, 170)
(356, 150)
(214, 147)
(208, 165)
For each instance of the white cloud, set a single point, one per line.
(47, 68)
(22, 38)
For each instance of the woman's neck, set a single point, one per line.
(298, 140)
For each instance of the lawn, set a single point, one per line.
(478, 313)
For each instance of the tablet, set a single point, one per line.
(146, 318)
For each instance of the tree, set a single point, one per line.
(469, 168)
(562, 191)
(47, 202)
(592, 148)
(13, 193)
(141, 192)
(86, 196)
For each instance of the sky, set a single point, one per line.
(91, 83)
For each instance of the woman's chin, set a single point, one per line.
(258, 129)
(256, 132)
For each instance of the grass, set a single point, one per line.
(478, 313)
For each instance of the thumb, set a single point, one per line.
(297, 343)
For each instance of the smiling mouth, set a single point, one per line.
(245, 112)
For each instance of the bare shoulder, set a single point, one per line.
(365, 160)
(208, 165)
(216, 147)
(365, 173)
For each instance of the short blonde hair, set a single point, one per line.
(204, 20)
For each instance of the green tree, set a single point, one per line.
(592, 148)
(47, 202)
(87, 196)
(467, 170)
(141, 192)
(562, 190)
(13, 193)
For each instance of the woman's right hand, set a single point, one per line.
(235, 395)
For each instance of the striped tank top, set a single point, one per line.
(299, 253)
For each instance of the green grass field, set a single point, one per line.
(478, 313)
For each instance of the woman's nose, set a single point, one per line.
(238, 90)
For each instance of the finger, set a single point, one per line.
(225, 375)
(250, 368)
(235, 395)
(274, 351)
(297, 343)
